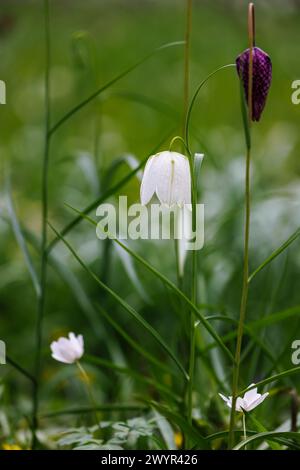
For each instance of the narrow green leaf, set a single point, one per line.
(170, 284)
(276, 253)
(106, 195)
(133, 343)
(125, 305)
(100, 90)
(20, 239)
(20, 369)
(198, 441)
(73, 283)
(268, 436)
(260, 428)
(259, 324)
(103, 408)
(273, 378)
(131, 373)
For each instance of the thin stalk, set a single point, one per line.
(193, 300)
(244, 428)
(89, 390)
(21, 369)
(187, 47)
(245, 288)
(163, 278)
(193, 295)
(43, 266)
(100, 90)
(186, 87)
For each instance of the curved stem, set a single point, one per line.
(245, 288)
(176, 138)
(194, 254)
(186, 81)
(193, 100)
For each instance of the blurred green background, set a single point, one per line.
(91, 42)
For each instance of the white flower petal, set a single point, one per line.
(77, 344)
(68, 350)
(58, 357)
(250, 400)
(148, 185)
(239, 404)
(224, 398)
(258, 401)
(251, 394)
(167, 174)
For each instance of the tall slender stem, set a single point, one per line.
(244, 429)
(189, 4)
(245, 287)
(43, 266)
(186, 88)
(187, 46)
(194, 301)
(89, 390)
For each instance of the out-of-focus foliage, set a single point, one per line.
(91, 42)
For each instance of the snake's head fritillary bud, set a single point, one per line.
(262, 77)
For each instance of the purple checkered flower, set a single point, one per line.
(262, 76)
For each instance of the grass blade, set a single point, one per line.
(20, 239)
(131, 373)
(20, 369)
(100, 90)
(268, 436)
(273, 378)
(276, 253)
(197, 439)
(261, 323)
(106, 195)
(103, 408)
(171, 285)
(125, 305)
(132, 342)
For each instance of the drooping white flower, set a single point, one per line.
(250, 400)
(167, 174)
(68, 350)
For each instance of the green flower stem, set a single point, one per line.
(190, 385)
(193, 299)
(89, 390)
(244, 428)
(43, 267)
(187, 47)
(245, 288)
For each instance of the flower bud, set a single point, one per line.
(262, 76)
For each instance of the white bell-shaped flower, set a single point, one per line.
(68, 350)
(167, 174)
(250, 400)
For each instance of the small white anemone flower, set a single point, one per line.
(68, 350)
(167, 174)
(250, 400)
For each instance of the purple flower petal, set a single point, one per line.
(262, 77)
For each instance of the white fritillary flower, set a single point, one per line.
(167, 174)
